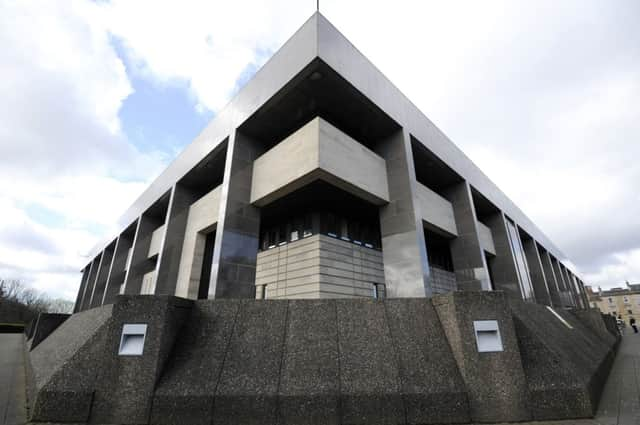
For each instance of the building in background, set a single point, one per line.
(624, 302)
(320, 179)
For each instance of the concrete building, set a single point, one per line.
(624, 302)
(320, 179)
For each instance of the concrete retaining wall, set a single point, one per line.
(405, 361)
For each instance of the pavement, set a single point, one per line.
(12, 380)
(619, 405)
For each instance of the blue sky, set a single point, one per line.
(99, 97)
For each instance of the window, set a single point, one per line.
(610, 300)
(344, 229)
(308, 225)
(629, 311)
(375, 291)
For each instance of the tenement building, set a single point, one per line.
(320, 179)
(618, 302)
(322, 254)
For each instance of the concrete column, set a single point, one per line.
(536, 271)
(552, 283)
(466, 252)
(560, 281)
(139, 257)
(83, 285)
(116, 275)
(583, 293)
(88, 289)
(568, 285)
(233, 269)
(505, 275)
(404, 251)
(171, 252)
(101, 278)
(95, 282)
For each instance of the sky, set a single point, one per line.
(98, 97)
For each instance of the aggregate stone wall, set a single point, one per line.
(348, 361)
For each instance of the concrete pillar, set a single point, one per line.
(101, 278)
(171, 252)
(88, 290)
(95, 281)
(505, 275)
(139, 258)
(568, 285)
(466, 252)
(404, 251)
(552, 283)
(536, 272)
(117, 273)
(560, 281)
(583, 292)
(83, 285)
(233, 269)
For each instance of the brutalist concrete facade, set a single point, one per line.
(462, 357)
(319, 142)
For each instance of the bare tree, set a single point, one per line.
(13, 290)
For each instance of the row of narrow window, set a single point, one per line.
(291, 229)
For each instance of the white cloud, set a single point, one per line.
(541, 95)
(61, 146)
(207, 44)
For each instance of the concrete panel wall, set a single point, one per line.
(156, 241)
(486, 238)
(319, 267)
(436, 210)
(317, 146)
(203, 214)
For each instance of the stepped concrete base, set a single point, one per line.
(405, 361)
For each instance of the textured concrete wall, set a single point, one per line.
(486, 374)
(44, 325)
(319, 266)
(203, 215)
(404, 361)
(316, 146)
(436, 210)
